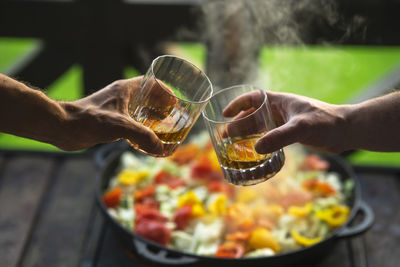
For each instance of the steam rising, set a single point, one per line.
(236, 29)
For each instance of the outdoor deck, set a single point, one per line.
(48, 215)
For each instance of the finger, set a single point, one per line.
(142, 137)
(130, 87)
(280, 104)
(159, 93)
(240, 127)
(278, 138)
(243, 102)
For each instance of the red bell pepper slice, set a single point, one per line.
(112, 197)
(230, 250)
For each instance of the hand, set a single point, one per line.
(104, 117)
(253, 124)
(299, 119)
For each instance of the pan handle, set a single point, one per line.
(161, 256)
(364, 225)
(104, 152)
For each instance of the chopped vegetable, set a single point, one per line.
(246, 195)
(314, 162)
(216, 186)
(238, 236)
(182, 216)
(182, 241)
(113, 197)
(208, 231)
(304, 241)
(230, 250)
(264, 252)
(198, 210)
(300, 211)
(129, 177)
(317, 186)
(295, 198)
(153, 230)
(262, 238)
(218, 207)
(184, 203)
(204, 169)
(164, 177)
(185, 154)
(189, 198)
(334, 216)
(144, 212)
(272, 211)
(144, 193)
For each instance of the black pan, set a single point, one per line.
(108, 159)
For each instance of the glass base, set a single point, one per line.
(257, 174)
(164, 154)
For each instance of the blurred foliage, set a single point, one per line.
(12, 49)
(332, 74)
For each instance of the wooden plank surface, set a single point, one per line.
(382, 241)
(94, 238)
(58, 237)
(23, 183)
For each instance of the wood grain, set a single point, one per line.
(23, 184)
(382, 192)
(58, 237)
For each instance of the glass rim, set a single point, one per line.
(245, 117)
(188, 62)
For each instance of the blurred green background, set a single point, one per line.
(335, 74)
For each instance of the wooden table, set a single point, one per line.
(48, 216)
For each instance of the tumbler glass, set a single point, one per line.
(234, 138)
(171, 97)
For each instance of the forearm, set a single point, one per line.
(29, 113)
(375, 124)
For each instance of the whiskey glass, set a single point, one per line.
(171, 97)
(234, 138)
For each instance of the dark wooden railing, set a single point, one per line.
(104, 36)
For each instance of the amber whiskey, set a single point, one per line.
(242, 165)
(170, 125)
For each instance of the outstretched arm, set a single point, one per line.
(375, 124)
(99, 118)
(371, 125)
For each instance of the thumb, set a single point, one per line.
(142, 137)
(277, 139)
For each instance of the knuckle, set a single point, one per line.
(303, 124)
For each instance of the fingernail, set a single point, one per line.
(260, 147)
(155, 148)
(159, 148)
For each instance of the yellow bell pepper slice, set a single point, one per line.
(246, 195)
(304, 241)
(188, 199)
(130, 177)
(334, 216)
(300, 211)
(197, 211)
(218, 207)
(262, 238)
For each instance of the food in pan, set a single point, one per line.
(184, 203)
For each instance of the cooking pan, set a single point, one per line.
(107, 158)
